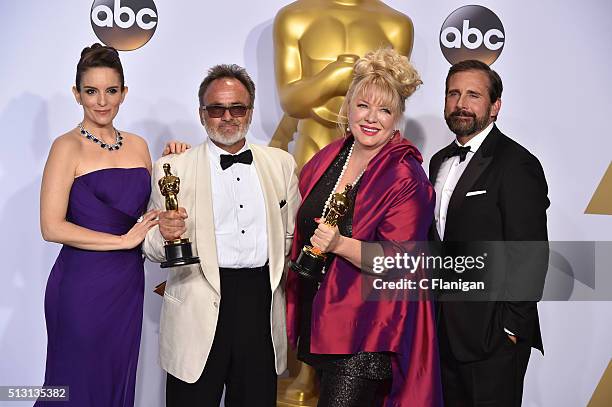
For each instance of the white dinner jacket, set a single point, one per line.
(191, 301)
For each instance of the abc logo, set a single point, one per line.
(124, 24)
(472, 32)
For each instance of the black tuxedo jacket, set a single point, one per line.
(512, 209)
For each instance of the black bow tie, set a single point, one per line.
(227, 160)
(457, 150)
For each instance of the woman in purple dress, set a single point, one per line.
(94, 194)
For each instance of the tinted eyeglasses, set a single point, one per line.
(216, 111)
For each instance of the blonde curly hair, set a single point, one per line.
(384, 72)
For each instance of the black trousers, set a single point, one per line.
(493, 382)
(242, 356)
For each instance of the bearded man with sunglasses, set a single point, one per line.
(223, 320)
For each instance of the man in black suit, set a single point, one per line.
(489, 189)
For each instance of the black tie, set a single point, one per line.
(457, 150)
(246, 157)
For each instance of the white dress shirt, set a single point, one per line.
(239, 212)
(448, 176)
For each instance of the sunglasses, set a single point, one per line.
(216, 111)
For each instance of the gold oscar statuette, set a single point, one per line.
(311, 260)
(178, 251)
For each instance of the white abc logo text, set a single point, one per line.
(463, 36)
(119, 12)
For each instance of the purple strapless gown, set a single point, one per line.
(94, 299)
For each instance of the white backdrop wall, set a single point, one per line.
(556, 70)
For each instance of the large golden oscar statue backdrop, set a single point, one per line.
(316, 43)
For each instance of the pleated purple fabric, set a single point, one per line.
(94, 299)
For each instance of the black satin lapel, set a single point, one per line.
(434, 236)
(436, 163)
(478, 164)
(434, 167)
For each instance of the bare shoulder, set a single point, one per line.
(135, 139)
(68, 143)
(138, 146)
(64, 153)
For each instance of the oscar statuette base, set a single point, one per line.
(309, 264)
(179, 253)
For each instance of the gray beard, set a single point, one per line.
(223, 139)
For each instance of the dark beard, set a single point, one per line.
(464, 128)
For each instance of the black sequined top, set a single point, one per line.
(312, 208)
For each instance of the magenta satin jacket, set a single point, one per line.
(395, 203)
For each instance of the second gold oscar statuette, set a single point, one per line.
(311, 260)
